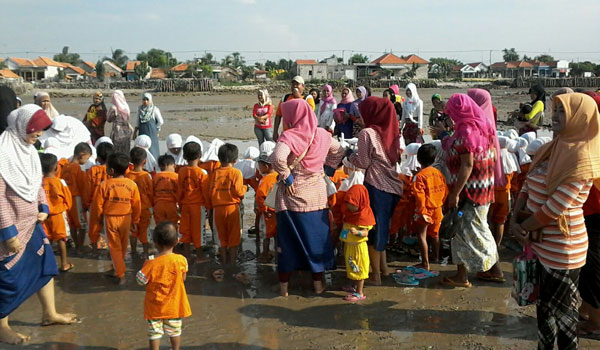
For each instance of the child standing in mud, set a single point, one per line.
(358, 220)
(166, 301)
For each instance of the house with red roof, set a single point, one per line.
(310, 70)
(37, 69)
(391, 66)
(130, 73)
(87, 66)
(521, 69)
(7, 74)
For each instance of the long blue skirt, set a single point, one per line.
(29, 275)
(383, 205)
(304, 242)
(149, 128)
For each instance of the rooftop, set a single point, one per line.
(8, 74)
(306, 62)
(390, 58)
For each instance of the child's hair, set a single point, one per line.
(165, 234)
(104, 150)
(165, 160)
(49, 162)
(426, 154)
(228, 153)
(192, 151)
(526, 108)
(82, 148)
(138, 155)
(118, 162)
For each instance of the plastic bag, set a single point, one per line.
(526, 284)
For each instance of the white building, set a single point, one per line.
(37, 69)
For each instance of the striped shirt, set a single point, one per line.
(310, 191)
(380, 172)
(557, 250)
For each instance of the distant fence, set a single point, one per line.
(166, 85)
(557, 82)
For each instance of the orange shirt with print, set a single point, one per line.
(191, 185)
(165, 187)
(57, 194)
(117, 197)
(430, 190)
(226, 187)
(143, 180)
(164, 278)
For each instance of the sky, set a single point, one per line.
(272, 29)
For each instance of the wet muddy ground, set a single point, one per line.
(230, 315)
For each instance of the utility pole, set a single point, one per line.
(490, 57)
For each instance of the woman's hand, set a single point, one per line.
(453, 200)
(41, 217)
(437, 129)
(13, 245)
(520, 234)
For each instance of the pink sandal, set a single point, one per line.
(354, 297)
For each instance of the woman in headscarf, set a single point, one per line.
(8, 103)
(343, 120)
(412, 116)
(361, 95)
(118, 115)
(95, 117)
(530, 116)
(262, 112)
(439, 121)
(391, 95)
(472, 157)
(303, 238)
(325, 108)
(42, 99)
(27, 264)
(378, 148)
(148, 122)
(554, 192)
(316, 97)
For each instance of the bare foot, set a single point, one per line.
(66, 318)
(318, 285)
(8, 336)
(374, 279)
(121, 281)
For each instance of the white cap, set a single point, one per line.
(298, 79)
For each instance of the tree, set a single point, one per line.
(119, 58)
(510, 55)
(526, 58)
(259, 65)
(270, 65)
(141, 70)
(100, 71)
(208, 58)
(443, 66)
(358, 58)
(247, 72)
(412, 72)
(544, 58)
(578, 68)
(237, 60)
(65, 56)
(227, 61)
(206, 71)
(158, 58)
(3, 65)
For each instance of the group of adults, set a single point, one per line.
(560, 182)
(27, 264)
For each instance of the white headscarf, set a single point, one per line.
(524, 158)
(251, 153)
(412, 102)
(247, 167)
(511, 134)
(533, 147)
(103, 139)
(510, 163)
(355, 177)
(180, 160)
(20, 165)
(529, 136)
(174, 141)
(213, 151)
(50, 110)
(145, 142)
(410, 165)
(267, 147)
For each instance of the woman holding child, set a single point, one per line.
(301, 209)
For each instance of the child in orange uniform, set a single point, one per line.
(59, 201)
(96, 175)
(225, 192)
(166, 301)
(143, 180)
(500, 208)
(79, 186)
(430, 191)
(118, 200)
(268, 225)
(165, 191)
(191, 186)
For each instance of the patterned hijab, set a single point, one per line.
(146, 113)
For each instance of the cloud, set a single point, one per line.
(246, 2)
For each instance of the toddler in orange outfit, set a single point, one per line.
(79, 186)
(430, 190)
(268, 226)
(118, 201)
(225, 192)
(191, 187)
(500, 208)
(59, 202)
(166, 301)
(143, 180)
(165, 191)
(96, 175)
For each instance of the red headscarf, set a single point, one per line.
(595, 96)
(358, 196)
(379, 114)
(301, 121)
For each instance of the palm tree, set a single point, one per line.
(227, 61)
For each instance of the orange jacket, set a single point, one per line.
(264, 187)
(429, 189)
(226, 187)
(58, 195)
(191, 186)
(143, 180)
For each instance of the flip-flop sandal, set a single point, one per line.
(421, 271)
(242, 278)
(71, 266)
(404, 279)
(484, 276)
(349, 289)
(450, 283)
(354, 297)
(218, 275)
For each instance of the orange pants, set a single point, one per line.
(117, 234)
(56, 227)
(433, 219)
(166, 211)
(191, 224)
(227, 221)
(499, 209)
(142, 227)
(76, 215)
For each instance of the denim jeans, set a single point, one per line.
(263, 134)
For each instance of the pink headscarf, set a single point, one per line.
(396, 89)
(475, 129)
(329, 99)
(349, 97)
(302, 122)
(484, 101)
(118, 100)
